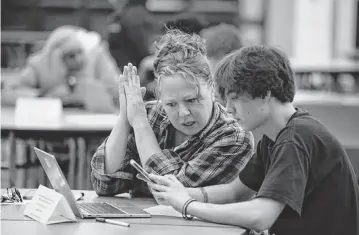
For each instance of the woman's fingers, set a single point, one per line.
(130, 67)
(158, 187)
(131, 79)
(125, 73)
(121, 88)
(137, 80)
(159, 194)
(172, 178)
(160, 179)
(143, 91)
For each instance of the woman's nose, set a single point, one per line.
(183, 111)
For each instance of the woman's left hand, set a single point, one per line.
(171, 189)
(134, 95)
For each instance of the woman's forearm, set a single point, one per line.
(146, 141)
(116, 145)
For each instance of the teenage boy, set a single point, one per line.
(300, 181)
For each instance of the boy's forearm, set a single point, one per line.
(217, 194)
(258, 214)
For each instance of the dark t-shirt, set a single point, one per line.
(307, 169)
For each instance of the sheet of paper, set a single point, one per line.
(163, 210)
(49, 207)
(38, 112)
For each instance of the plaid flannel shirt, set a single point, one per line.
(213, 156)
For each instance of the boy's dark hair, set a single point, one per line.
(256, 70)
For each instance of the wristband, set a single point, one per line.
(184, 209)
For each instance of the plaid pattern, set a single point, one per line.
(213, 156)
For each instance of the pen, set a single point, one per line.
(82, 195)
(110, 221)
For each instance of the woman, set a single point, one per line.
(185, 133)
(70, 58)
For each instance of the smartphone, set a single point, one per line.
(141, 170)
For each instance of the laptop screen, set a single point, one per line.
(57, 178)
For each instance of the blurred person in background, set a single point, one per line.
(220, 40)
(70, 58)
(129, 32)
(185, 133)
(186, 22)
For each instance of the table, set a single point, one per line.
(78, 126)
(154, 225)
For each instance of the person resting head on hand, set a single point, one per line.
(184, 133)
(300, 180)
(70, 57)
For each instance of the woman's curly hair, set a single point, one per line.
(255, 71)
(184, 54)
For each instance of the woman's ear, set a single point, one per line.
(268, 96)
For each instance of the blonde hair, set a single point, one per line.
(183, 54)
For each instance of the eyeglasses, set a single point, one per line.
(13, 195)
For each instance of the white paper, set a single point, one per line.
(38, 112)
(163, 210)
(49, 207)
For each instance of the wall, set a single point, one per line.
(312, 30)
(279, 25)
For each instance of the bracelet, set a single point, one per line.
(184, 209)
(205, 194)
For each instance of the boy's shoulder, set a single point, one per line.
(302, 127)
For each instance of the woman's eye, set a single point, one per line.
(191, 100)
(171, 104)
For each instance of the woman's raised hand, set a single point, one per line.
(134, 96)
(121, 90)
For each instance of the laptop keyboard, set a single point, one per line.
(99, 208)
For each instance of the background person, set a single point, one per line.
(70, 57)
(220, 40)
(130, 30)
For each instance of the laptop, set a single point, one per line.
(85, 209)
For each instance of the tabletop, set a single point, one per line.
(73, 120)
(14, 222)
